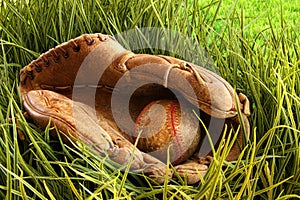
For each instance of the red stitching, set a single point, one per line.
(175, 123)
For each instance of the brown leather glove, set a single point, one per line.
(93, 89)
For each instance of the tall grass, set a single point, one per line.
(259, 59)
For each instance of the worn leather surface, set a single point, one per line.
(82, 75)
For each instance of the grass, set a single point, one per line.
(255, 45)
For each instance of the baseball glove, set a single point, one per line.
(94, 90)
